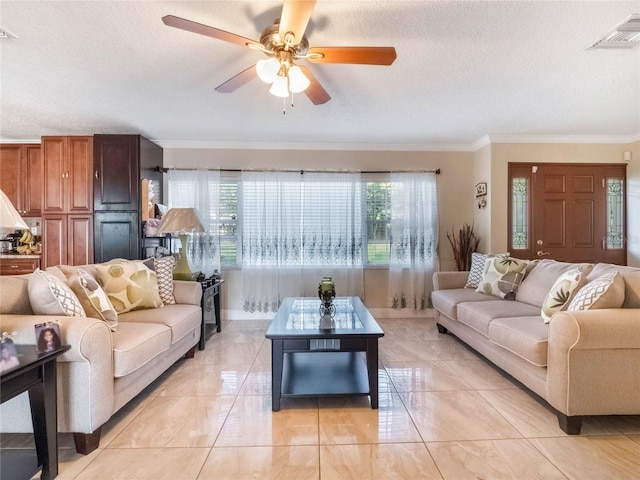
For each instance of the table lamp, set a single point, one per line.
(182, 221)
(9, 216)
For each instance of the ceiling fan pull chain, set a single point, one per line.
(291, 99)
(284, 105)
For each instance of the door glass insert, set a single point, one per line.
(520, 187)
(615, 213)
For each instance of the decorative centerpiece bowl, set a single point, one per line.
(326, 293)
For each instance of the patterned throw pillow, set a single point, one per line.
(93, 298)
(561, 293)
(477, 267)
(129, 284)
(50, 296)
(502, 276)
(606, 291)
(164, 266)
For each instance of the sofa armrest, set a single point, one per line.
(187, 292)
(85, 372)
(449, 280)
(593, 362)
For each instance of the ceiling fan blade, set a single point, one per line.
(295, 17)
(316, 93)
(361, 55)
(212, 32)
(237, 81)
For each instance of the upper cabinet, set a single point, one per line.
(21, 177)
(116, 172)
(67, 170)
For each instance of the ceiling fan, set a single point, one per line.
(284, 43)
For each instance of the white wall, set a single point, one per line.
(482, 217)
(455, 191)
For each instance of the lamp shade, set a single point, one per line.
(181, 220)
(9, 216)
(297, 80)
(280, 87)
(267, 69)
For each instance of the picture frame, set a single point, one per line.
(9, 356)
(481, 189)
(48, 337)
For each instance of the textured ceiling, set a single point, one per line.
(464, 70)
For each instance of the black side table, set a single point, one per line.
(210, 304)
(36, 374)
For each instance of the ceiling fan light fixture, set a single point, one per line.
(297, 80)
(280, 87)
(268, 69)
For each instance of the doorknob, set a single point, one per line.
(540, 253)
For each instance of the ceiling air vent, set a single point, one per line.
(624, 35)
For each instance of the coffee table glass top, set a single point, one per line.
(301, 316)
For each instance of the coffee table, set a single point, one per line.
(309, 362)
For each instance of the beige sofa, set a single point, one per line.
(103, 370)
(582, 362)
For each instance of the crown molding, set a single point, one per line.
(563, 138)
(13, 140)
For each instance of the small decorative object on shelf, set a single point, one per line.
(9, 358)
(327, 292)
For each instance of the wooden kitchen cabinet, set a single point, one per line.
(18, 266)
(21, 177)
(67, 171)
(68, 240)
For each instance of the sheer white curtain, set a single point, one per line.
(271, 239)
(199, 189)
(297, 228)
(332, 232)
(414, 239)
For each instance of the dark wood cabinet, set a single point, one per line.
(21, 177)
(68, 240)
(120, 162)
(116, 235)
(67, 171)
(18, 266)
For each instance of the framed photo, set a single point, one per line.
(47, 337)
(9, 357)
(481, 189)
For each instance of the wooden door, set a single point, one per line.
(117, 173)
(32, 162)
(55, 241)
(54, 172)
(80, 240)
(10, 174)
(116, 235)
(571, 214)
(79, 175)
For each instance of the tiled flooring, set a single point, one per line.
(444, 414)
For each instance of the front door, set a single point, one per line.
(575, 212)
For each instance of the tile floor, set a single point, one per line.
(444, 414)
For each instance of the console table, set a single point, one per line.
(211, 290)
(36, 374)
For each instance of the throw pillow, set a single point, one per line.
(477, 267)
(50, 296)
(164, 266)
(93, 298)
(130, 285)
(502, 276)
(606, 291)
(561, 293)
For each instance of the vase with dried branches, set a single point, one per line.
(463, 246)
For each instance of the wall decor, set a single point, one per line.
(481, 189)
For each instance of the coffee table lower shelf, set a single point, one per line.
(327, 373)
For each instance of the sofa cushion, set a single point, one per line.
(478, 315)
(502, 276)
(538, 282)
(93, 298)
(136, 344)
(606, 291)
(527, 337)
(563, 290)
(164, 266)
(51, 296)
(130, 285)
(15, 294)
(631, 277)
(181, 319)
(446, 301)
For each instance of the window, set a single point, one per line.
(378, 201)
(615, 213)
(228, 223)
